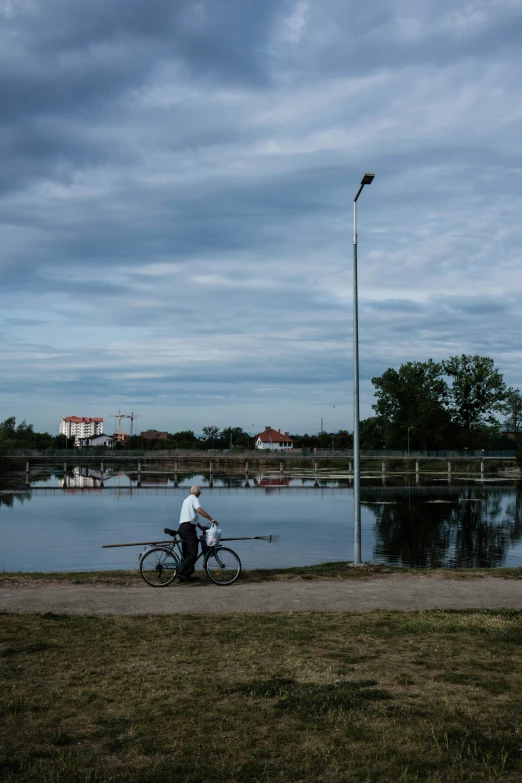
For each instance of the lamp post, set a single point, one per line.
(366, 180)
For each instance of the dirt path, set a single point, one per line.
(388, 592)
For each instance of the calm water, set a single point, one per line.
(471, 525)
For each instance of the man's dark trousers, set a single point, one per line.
(189, 547)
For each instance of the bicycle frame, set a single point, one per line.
(176, 548)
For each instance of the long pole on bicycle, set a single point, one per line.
(143, 543)
(271, 539)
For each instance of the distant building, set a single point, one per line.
(81, 426)
(273, 440)
(95, 441)
(120, 437)
(84, 478)
(262, 481)
(154, 435)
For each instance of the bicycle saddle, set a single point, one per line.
(170, 532)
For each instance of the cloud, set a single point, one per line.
(176, 199)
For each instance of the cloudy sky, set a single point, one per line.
(176, 190)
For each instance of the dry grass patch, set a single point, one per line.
(337, 570)
(30, 579)
(378, 696)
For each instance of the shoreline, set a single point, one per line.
(331, 571)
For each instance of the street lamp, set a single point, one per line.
(366, 180)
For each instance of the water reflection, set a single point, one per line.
(470, 528)
(8, 498)
(89, 478)
(83, 478)
(437, 526)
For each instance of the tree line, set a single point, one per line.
(235, 438)
(455, 403)
(24, 436)
(451, 404)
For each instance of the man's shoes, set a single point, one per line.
(188, 578)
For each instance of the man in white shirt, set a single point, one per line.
(188, 521)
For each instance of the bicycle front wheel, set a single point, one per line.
(222, 565)
(159, 567)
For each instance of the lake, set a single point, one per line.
(466, 524)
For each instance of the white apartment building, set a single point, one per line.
(81, 427)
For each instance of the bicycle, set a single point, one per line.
(160, 565)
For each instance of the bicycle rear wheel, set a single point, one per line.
(159, 567)
(222, 565)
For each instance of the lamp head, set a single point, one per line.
(367, 179)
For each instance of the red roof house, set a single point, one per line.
(273, 440)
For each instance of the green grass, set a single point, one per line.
(338, 570)
(366, 697)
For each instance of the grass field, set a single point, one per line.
(336, 570)
(379, 696)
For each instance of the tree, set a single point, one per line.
(413, 398)
(232, 436)
(513, 410)
(184, 439)
(7, 428)
(372, 433)
(23, 436)
(23, 430)
(342, 439)
(133, 443)
(210, 433)
(477, 391)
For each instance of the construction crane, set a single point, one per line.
(132, 417)
(118, 416)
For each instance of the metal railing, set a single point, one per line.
(72, 454)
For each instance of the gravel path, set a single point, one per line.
(387, 592)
